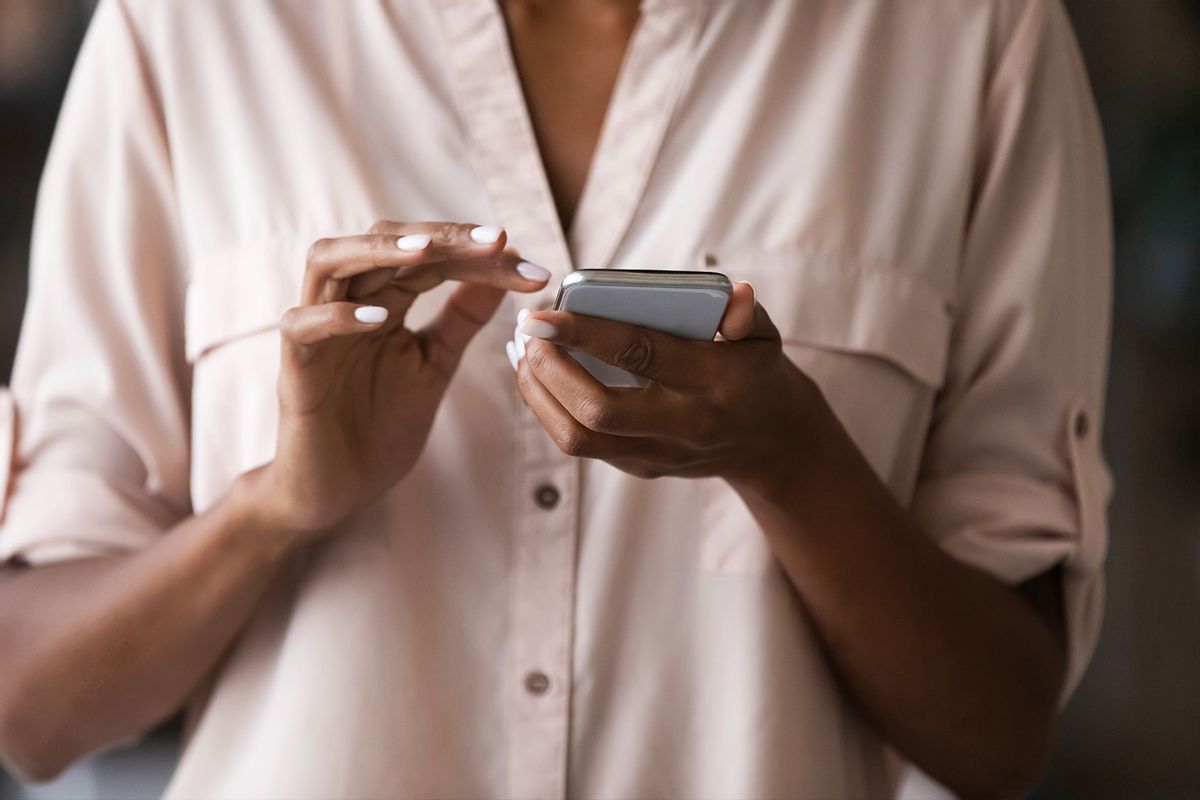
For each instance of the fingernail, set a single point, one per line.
(372, 315)
(532, 271)
(538, 329)
(413, 242)
(513, 358)
(753, 291)
(486, 234)
(519, 343)
(522, 315)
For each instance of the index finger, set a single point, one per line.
(651, 354)
(416, 256)
(447, 240)
(502, 271)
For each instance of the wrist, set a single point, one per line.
(252, 514)
(797, 445)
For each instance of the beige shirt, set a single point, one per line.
(917, 191)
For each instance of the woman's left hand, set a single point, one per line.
(735, 408)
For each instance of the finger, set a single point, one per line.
(334, 260)
(312, 324)
(651, 412)
(502, 270)
(738, 320)
(303, 327)
(572, 438)
(651, 354)
(468, 309)
(449, 239)
(745, 317)
(506, 270)
(393, 245)
(763, 327)
(437, 242)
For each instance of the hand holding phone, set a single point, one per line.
(688, 305)
(736, 407)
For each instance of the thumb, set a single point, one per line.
(468, 309)
(745, 318)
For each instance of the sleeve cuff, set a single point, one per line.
(56, 515)
(1015, 528)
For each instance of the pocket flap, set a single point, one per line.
(880, 312)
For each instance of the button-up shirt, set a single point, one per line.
(915, 189)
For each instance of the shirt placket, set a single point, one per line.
(504, 152)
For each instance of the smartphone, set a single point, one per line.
(684, 304)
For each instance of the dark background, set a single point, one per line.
(1133, 727)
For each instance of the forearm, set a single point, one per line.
(100, 649)
(956, 669)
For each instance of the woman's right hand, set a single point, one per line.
(357, 389)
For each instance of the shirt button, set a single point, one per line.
(1081, 425)
(546, 497)
(537, 683)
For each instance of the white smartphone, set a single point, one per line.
(684, 304)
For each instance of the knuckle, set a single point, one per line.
(316, 252)
(449, 231)
(380, 246)
(331, 314)
(536, 355)
(595, 414)
(635, 356)
(379, 226)
(524, 378)
(571, 440)
(288, 323)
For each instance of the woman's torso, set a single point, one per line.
(795, 145)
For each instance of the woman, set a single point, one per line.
(335, 533)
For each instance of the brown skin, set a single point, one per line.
(958, 670)
(568, 53)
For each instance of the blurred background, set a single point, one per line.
(1133, 727)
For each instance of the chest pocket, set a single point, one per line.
(876, 343)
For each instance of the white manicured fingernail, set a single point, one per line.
(522, 315)
(486, 234)
(519, 343)
(538, 329)
(372, 315)
(532, 271)
(413, 242)
(513, 358)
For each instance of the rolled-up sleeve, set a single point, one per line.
(1013, 480)
(93, 432)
